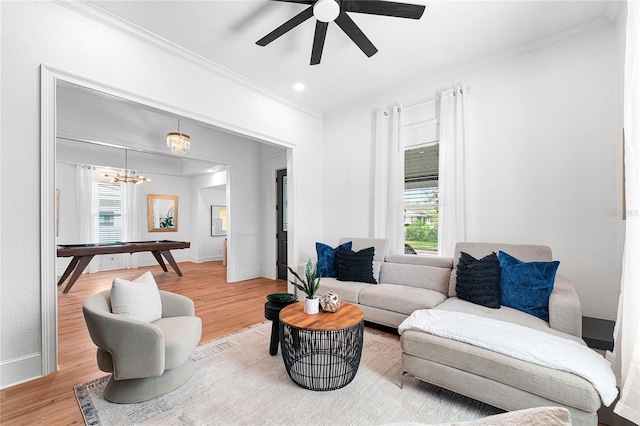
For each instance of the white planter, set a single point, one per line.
(311, 306)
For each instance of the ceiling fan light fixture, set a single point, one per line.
(326, 10)
(178, 142)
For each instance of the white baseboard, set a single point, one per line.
(20, 370)
(248, 275)
(205, 259)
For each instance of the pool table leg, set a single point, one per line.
(156, 254)
(167, 255)
(67, 272)
(82, 264)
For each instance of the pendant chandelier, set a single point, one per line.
(127, 178)
(178, 142)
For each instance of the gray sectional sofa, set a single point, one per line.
(406, 283)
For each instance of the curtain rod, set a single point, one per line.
(437, 98)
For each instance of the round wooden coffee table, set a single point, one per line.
(321, 351)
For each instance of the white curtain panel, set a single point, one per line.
(87, 208)
(454, 137)
(130, 221)
(389, 180)
(626, 354)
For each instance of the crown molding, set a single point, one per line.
(476, 64)
(613, 10)
(138, 33)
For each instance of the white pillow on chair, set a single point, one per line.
(138, 299)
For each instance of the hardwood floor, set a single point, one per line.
(223, 307)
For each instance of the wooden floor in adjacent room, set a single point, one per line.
(223, 307)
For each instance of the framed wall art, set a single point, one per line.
(162, 213)
(218, 221)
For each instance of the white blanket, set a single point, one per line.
(519, 342)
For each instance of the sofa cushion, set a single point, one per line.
(478, 280)
(327, 265)
(505, 313)
(415, 275)
(525, 252)
(567, 388)
(526, 286)
(356, 266)
(380, 245)
(439, 261)
(400, 298)
(181, 336)
(347, 290)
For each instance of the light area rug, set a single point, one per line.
(237, 382)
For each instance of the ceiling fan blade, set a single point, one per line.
(287, 26)
(355, 33)
(318, 42)
(385, 8)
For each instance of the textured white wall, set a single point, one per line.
(36, 33)
(543, 163)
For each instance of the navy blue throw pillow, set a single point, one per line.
(478, 281)
(327, 265)
(526, 286)
(356, 266)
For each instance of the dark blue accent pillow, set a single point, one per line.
(356, 266)
(478, 280)
(526, 286)
(327, 259)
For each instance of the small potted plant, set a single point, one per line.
(308, 286)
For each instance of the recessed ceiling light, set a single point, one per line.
(298, 87)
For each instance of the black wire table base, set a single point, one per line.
(321, 360)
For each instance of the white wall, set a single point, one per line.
(543, 162)
(36, 33)
(210, 247)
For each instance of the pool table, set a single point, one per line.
(83, 253)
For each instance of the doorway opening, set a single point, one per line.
(282, 223)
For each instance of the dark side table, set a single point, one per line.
(272, 313)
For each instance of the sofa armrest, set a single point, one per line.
(565, 311)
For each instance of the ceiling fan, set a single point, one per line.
(326, 11)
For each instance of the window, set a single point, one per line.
(107, 214)
(421, 199)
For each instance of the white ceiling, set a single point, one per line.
(450, 34)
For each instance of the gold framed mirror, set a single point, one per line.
(162, 213)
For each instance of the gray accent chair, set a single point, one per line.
(146, 360)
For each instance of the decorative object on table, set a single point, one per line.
(162, 213)
(308, 286)
(330, 301)
(178, 142)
